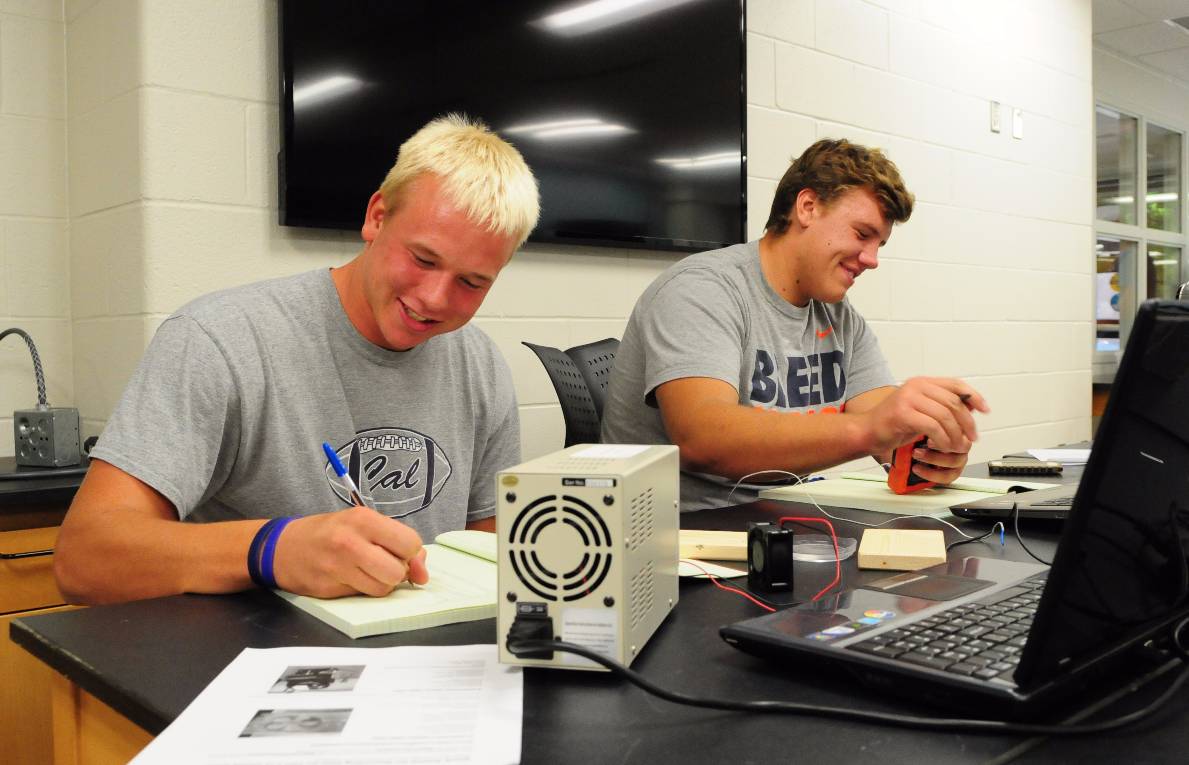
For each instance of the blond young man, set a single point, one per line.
(221, 426)
(750, 358)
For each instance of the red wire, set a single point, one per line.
(837, 555)
(721, 586)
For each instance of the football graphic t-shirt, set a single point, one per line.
(228, 410)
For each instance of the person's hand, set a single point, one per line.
(348, 552)
(936, 407)
(938, 466)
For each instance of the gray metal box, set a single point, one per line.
(46, 437)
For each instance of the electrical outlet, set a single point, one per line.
(1017, 123)
(46, 437)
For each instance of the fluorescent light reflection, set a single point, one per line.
(1166, 196)
(600, 14)
(325, 88)
(577, 127)
(719, 159)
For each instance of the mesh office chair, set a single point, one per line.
(580, 375)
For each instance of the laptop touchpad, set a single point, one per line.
(917, 584)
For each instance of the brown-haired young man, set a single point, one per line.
(728, 352)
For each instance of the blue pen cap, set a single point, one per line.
(335, 462)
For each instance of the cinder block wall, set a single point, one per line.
(173, 138)
(34, 269)
(990, 279)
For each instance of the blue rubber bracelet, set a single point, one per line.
(254, 552)
(270, 548)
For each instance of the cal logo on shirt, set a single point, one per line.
(398, 471)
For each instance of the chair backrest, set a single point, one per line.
(577, 405)
(594, 361)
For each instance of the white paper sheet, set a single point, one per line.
(1064, 456)
(348, 706)
(702, 569)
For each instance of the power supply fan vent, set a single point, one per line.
(643, 594)
(640, 520)
(560, 548)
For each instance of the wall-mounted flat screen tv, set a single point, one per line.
(630, 112)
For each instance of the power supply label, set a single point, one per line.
(594, 483)
(594, 628)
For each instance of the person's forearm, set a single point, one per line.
(734, 441)
(110, 556)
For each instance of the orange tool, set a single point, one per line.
(901, 479)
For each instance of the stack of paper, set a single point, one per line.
(351, 706)
(461, 588)
(1064, 456)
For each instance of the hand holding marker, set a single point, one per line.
(341, 472)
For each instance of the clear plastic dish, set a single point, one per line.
(819, 548)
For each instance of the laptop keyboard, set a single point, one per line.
(981, 639)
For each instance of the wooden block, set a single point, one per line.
(712, 545)
(901, 549)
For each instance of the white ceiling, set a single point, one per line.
(1139, 30)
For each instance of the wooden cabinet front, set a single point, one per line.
(26, 589)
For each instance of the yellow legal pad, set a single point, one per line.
(461, 588)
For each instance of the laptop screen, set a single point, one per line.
(1120, 571)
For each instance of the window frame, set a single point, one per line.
(1105, 363)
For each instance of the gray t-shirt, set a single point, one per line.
(715, 315)
(227, 412)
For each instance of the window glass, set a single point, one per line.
(1114, 294)
(1164, 179)
(1116, 151)
(1164, 270)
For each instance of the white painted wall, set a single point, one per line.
(1130, 85)
(34, 270)
(173, 138)
(990, 280)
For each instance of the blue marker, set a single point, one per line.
(341, 472)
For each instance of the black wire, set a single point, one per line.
(1015, 524)
(952, 545)
(41, 402)
(1176, 640)
(860, 715)
(736, 589)
(770, 604)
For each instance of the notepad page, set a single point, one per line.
(461, 588)
(875, 496)
(478, 543)
(964, 483)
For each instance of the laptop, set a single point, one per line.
(991, 633)
(1053, 503)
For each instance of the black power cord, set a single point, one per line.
(41, 402)
(998, 526)
(1015, 524)
(870, 716)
